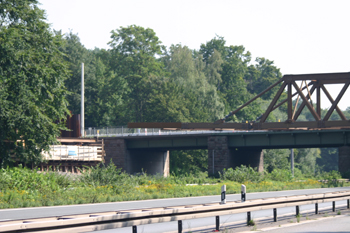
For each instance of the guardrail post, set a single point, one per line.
(243, 193)
(223, 194)
(134, 229)
(297, 212)
(217, 223)
(274, 214)
(348, 203)
(248, 218)
(333, 203)
(179, 226)
(316, 208)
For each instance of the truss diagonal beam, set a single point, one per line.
(285, 100)
(309, 106)
(302, 106)
(340, 113)
(273, 102)
(335, 103)
(263, 92)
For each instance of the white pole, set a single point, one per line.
(82, 123)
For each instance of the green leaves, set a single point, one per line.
(32, 71)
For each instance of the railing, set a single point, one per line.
(133, 218)
(124, 132)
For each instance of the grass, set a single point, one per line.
(298, 218)
(251, 223)
(21, 187)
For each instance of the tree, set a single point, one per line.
(32, 74)
(134, 51)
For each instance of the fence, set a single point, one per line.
(124, 131)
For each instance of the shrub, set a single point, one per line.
(242, 174)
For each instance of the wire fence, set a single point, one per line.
(125, 131)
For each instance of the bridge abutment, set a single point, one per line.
(344, 159)
(134, 161)
(221, 156)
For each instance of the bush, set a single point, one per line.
(242, 174)
(103, 175)
(280, 175)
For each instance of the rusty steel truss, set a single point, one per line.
(309, 84)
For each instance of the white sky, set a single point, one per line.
(308, 36)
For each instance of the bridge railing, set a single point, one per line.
(125, 131)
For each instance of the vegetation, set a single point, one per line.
(32, 75)
(137, 79)
(22, 187)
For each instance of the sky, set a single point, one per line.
(308, 36)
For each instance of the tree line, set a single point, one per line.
(138, 79)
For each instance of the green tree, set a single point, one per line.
(32, 74)
(276, 159)
(134, 51)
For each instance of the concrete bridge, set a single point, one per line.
(225, 149)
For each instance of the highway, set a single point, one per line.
(25, 213)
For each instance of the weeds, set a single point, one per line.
(22, 187)
(251, 223)
(338, 213)
(298, 218)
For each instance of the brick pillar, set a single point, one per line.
(219, 154)
(115, 149)
(344, 159)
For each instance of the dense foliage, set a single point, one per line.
(32, 75)
(21, 187)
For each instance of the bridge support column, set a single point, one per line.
(219, 154)
(253, 157)
(116, 150)
(134, 161)
(344, 159)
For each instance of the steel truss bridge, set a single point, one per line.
(309, 84)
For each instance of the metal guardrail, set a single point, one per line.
(124, 131)
(132, 218)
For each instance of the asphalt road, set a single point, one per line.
(226, 221)
(25, 213)
(330, 224)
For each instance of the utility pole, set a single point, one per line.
(82, 123)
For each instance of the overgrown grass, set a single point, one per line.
(22, 187)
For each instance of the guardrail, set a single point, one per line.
(124, 131)
(133, 218)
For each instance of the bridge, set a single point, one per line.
(231, 144)
(135, 152)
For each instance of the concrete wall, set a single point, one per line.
(135, 161)
(151, 162)
(344, 159)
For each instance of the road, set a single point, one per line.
(329, 224)
(39, 212)
(25, 213)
